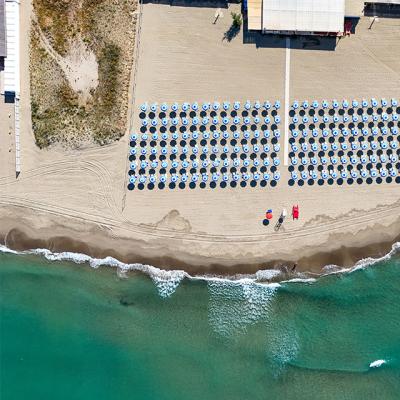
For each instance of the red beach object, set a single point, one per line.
(295, 212)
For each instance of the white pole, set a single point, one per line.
(287, 95)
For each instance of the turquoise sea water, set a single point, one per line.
(69, 331)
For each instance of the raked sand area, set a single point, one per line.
(78, 200)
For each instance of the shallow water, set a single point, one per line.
(69, 331)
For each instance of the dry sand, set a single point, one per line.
(78, 200)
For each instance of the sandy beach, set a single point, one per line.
(77, 200)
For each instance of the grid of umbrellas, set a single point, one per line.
(347, 142)
(203, 145)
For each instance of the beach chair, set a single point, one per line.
(295, 212)
(280, 220)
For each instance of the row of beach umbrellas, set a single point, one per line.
(208, 106)
(205, 121)
(205, 177)
(345, 104)
(247, 134)
(375, 131)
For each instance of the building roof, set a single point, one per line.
(303, 15)
(3, 49)
(254, 11)
(12, 61)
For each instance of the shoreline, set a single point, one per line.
(59, 240)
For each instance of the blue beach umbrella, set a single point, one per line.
(236, 120)
(256, 134)
(134, 136)
(394, 102)
(195, 120)
(315, 104)
(257, 105)
(164, 121)
(145, 122)
(195, 178)
(325, 104)
(247, 105)
(267, 105)
(205, 121)
(163, 178)
(132, 179)
(206, 135)
(175, 107)
(195, 106)
(335, 104)
(345, 103)
(205, 106)
(215, 135)
(226, 105)
(164, 136)
(164, 107)
(295, 105)
(185, 106)
(374, 103)
(384, 102)
(143, 107)
(215, 120)
(277, 104)
(174, 121)
(236, 105)
(154, 122)
(216, 106)
(153, 107)
(246, 134)
(267, 120)
(225, 120)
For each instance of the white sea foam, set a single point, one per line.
(167, 281)
(233, 305)
(377, 363)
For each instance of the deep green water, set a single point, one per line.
(68, 331)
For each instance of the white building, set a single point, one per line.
(297, 16)
(11, 71)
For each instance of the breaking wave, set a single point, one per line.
(254, 289)
(233, 305)
(377, 363)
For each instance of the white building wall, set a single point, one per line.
(12, 61)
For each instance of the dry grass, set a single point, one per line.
(59, 114)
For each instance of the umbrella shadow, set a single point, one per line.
(231, 33)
